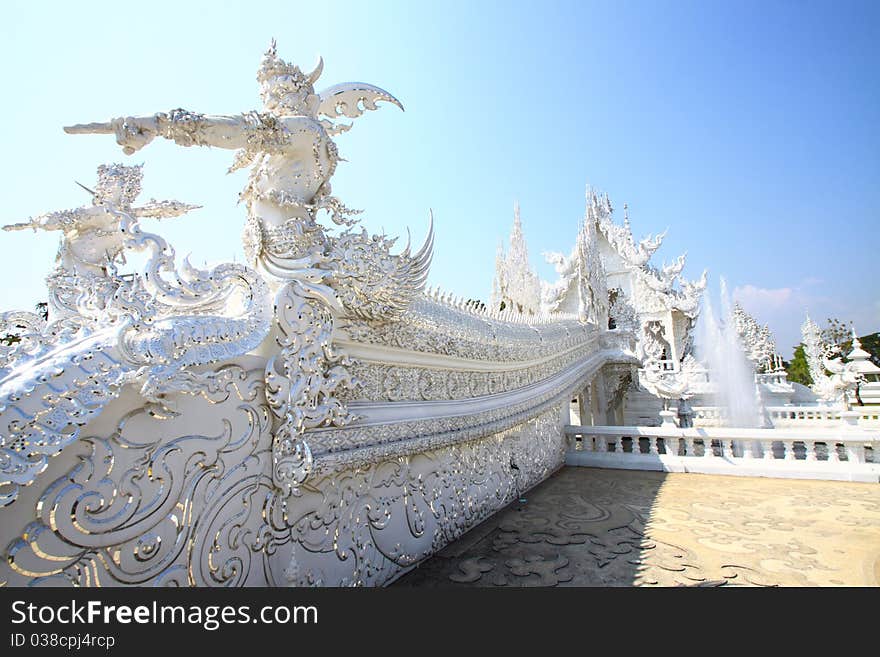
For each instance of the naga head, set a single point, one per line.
(285, 89)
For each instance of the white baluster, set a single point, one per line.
(618, 444)
(747, 449)
(767, 446)
(810, 445)
(855, 452)
(789, 450)
(652, 445)
(731, 447)
(708, 450)
(833, 456)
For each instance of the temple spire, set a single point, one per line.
(515, 284)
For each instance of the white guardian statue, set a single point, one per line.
(317, 277)
(292, 156)
(106, 329)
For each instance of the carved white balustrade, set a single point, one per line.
(794, 416)
(848, 455)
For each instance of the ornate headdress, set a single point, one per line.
(118, 178)
(272, 66)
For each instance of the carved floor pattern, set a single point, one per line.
(592, 527)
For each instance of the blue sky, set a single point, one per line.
(749, 129)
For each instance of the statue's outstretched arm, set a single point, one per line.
(61, 220)
(184, 128)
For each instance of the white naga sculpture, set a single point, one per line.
(106, 330)
(823, 358)
(818, 353)
(318, 276)
(665, 384)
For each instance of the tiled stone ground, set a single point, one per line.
(592, 527)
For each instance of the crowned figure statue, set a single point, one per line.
(92, 242)
(292, 156)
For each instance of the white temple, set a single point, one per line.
(608, 280)
(316, 417)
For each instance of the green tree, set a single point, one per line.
(797, 368)
(871, 344)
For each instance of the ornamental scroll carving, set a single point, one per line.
(303, 381)
(150, 501)
(384, 382)
(157, 499)
(365, 525)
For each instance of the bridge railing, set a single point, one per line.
(794, 416)
(782, 416)
(845, 454)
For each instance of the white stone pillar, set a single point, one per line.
(584, 411)
(600, 399)
(670, 338)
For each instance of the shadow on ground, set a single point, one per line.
(593, 527)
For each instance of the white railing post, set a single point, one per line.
(731, 447)
(810, 445)
(708, 452)
(847, 450)
(855, 452)
(833, 456)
